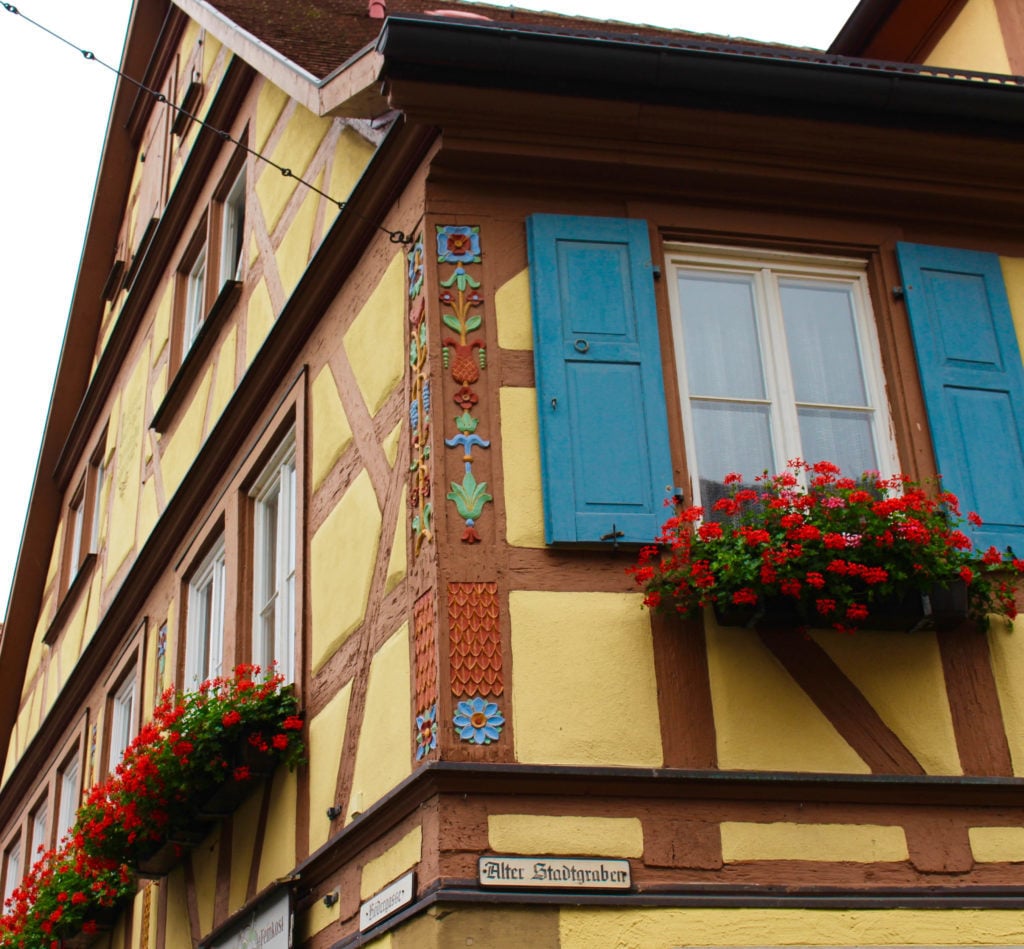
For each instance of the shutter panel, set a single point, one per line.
(973, 382)
(601, 397)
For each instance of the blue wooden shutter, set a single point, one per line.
(973, 383)
(601, 398)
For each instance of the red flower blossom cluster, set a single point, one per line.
(188, 749)
(834, 546)
(65, 892)
(192, 745)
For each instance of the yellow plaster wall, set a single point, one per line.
(293, 253)
(189, 38)
(513, 313)
(71, 643)
(520, 439)
(179, 450)
(1013, 277)
(854, 843)
(580, 836)
(343, 554)
(269, 105)
(128, 470)
(211, 48)
(375, 342)
(396, 562)
(390, 444)
(763, 720)
(585, 689)
(294, 149)
(973, 41)
(58, 546)
(278, 856)
(204, 866)
(224, 379)
(902, 678)
(589, 927)
(383, 757)
(326, 739)
(162, 323)
(178, 932)
(92, 613)
(331, 432)
(314, 919)
(351, 156)
(258, 319)
(148, 510)
(997, 844)
(1007, 653)
(35, 653)
(391, 864)
(243, 843)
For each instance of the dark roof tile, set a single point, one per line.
(320, 35)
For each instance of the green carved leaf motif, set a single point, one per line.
(470, 496)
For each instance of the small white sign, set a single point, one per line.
(389, 900)
(269, 927)
(554, 873)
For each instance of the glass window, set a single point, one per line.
(12, 868)
(274, 562)
(195, 298)
(40, 819)
(204, 646)
(232, 231)
(99, 474)
(122, 719)
(70, 792)
(778, 359)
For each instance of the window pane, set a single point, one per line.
(269, 540)
(12, 869)
(822, 340)
(78, 519)
(68, 797)
(94, 537)
(233, 230)
(38, 831)
(195, 298)
(122, 723)
(840, 437)
(723, 357)
(731, 437)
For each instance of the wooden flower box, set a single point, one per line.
(942, 607)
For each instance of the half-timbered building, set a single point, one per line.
(402, 432)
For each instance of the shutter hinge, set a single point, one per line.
(898, 293)
(656, 272)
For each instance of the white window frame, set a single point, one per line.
(274, 588)
(69, 786)
(99, 475)
(12, 868)
(766, 268)
(40, 819)
(123, 704)
(77, 527)
(204, 634)
(195, 297)
(232, 231)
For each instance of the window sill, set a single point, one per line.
(70, 598)
(196, 356)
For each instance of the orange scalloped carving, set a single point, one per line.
(475, 639)
(424, 639)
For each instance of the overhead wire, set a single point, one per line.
(396, 237)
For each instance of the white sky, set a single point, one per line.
(54, 106)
